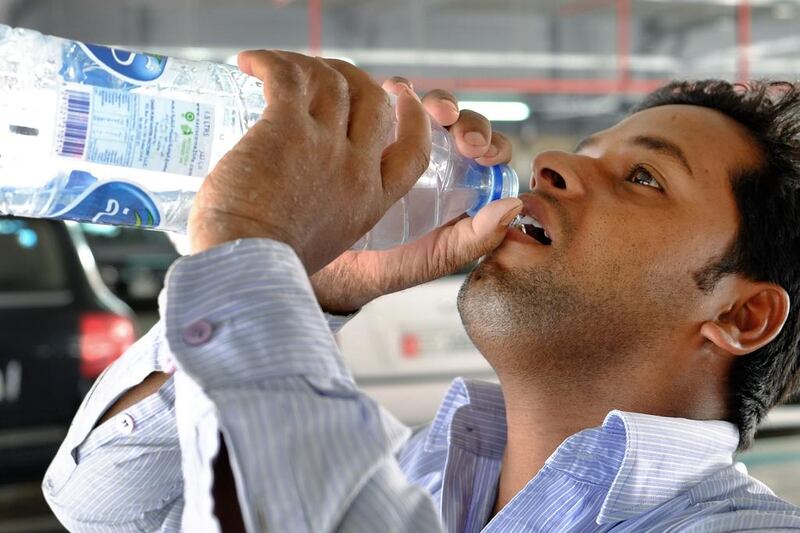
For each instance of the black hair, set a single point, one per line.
(767, 243)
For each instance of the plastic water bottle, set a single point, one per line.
(96, 134)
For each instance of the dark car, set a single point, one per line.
(132, 262)
(60, 327)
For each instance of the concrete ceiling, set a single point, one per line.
(542, 51)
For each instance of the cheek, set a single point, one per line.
(635, 257)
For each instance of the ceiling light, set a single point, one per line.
(498, 111)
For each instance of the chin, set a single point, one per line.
(484, 305)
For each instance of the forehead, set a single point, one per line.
(713, 142)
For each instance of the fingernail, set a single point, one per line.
(511, 215)
(475, 139)
(492, 151)
(402, 81)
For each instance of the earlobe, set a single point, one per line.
(753, 322)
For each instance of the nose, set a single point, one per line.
(558, 173)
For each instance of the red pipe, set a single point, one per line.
(315, 27)
(743, 39)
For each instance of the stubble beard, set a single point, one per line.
(541, 325)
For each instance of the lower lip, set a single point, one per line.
(516, 235)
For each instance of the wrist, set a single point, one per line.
(339, 291)
(208, 230)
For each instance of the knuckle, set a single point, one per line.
(338, 85)
(295, 72)
(287, 75)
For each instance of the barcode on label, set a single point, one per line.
(73, 123)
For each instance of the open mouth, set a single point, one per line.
(531, 227)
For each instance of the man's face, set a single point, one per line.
(633, 214)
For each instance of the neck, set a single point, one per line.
(541, 415)
(537, 424)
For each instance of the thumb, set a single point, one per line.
(469, 238)
(490, 223)
(447, 248)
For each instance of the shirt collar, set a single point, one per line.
(644, 460)
(663, 457)
(472, 416)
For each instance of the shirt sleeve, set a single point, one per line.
(123, 475)
(258, 364)
(96, 480)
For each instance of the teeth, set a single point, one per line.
(527, 219)
(517, 224)
(521, 221)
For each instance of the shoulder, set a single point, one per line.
(732, 500)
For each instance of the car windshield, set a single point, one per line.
(32, 256)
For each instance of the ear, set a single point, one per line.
(753, 321)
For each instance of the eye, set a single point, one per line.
(642, 176)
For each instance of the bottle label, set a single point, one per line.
(102, 66)
(133, 67)
(120, 203)
(123, 128)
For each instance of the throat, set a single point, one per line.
(523, 459)
(538, 422)
(516, 472)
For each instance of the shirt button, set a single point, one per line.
(197, 333)
(125, 424)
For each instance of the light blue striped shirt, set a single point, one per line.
(257, 362)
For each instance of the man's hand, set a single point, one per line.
(315, 172)
(356, 278)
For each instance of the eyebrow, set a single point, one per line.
(650, 142)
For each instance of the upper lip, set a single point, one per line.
(534, 206)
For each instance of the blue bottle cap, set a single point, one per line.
(505, 184)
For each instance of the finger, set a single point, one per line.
(449, 248)
(330, 95)
(393, 87)
(370, 108)
(282, 74)
(472, 133)
(442, 106)
(395, 84)
(300, 81)
(499, 151)
(404, 161)
(470, 238)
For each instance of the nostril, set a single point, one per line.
(554, 177)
